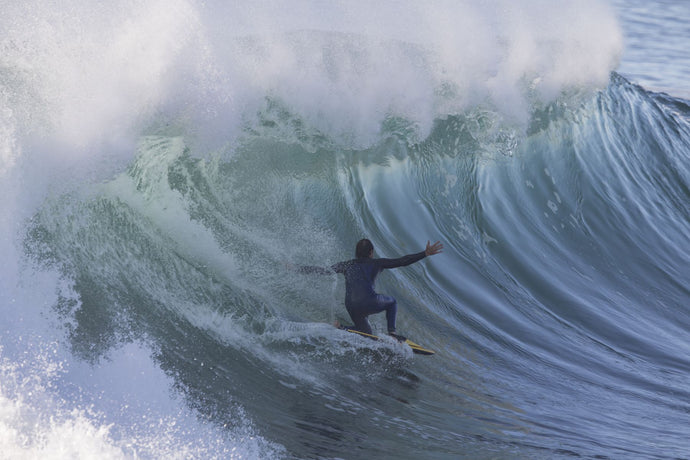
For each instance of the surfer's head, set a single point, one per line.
(364, 248)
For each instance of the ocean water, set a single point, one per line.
(163, 164)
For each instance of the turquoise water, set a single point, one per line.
(163, 164)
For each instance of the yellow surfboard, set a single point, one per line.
(416, 348)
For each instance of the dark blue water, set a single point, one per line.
(163, 165)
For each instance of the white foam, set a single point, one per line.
(123, 409)
(91, 73)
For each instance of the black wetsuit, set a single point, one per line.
(361, 300)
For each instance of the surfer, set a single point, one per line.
(361, 299)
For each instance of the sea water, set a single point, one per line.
(164, 164)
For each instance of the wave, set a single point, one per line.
(153, 210)
(563, 275)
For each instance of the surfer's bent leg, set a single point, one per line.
(359, 312)
(359, 316)
(388, 303)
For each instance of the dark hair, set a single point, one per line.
(364, 248)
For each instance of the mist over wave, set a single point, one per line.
(165, 162)
(86, 73)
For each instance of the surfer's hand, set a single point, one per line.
(432, 249)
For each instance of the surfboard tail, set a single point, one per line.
(416, 348)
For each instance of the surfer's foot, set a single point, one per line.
(337, 324)
(399, 338)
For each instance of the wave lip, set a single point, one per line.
(103, 73)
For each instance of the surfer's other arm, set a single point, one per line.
(314, 270)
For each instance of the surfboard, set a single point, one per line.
(416, 348)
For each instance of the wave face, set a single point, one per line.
(158, 195)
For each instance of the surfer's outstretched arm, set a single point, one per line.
(431, 249)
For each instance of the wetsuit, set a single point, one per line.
(361, 300)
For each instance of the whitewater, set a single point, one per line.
(164, 165)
